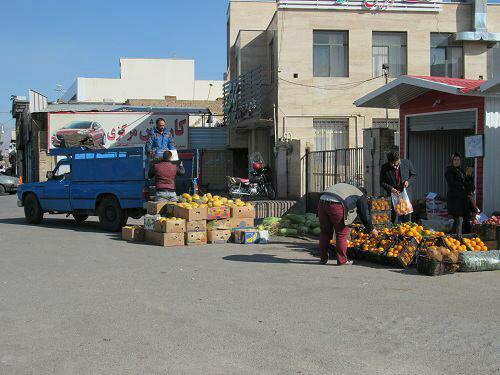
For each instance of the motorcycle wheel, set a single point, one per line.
(270, 192)
(234, 192)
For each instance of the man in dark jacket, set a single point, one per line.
(338, 207)
(395, 176)
(165, 172)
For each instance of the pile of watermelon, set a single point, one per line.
(299, 225)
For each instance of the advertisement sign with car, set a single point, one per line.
(116, 129)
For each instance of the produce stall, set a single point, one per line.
(197, 220)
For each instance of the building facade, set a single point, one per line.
(146, 79)
(296, 68)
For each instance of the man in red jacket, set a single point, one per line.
(165, 172)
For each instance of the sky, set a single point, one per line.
(48, 43)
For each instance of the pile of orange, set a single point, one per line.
(380, 218)
(380, 204)
(455, 245)
(475, 244)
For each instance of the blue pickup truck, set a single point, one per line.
(108, 183)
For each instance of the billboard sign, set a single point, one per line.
(116, 129)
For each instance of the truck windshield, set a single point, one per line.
(78, 125)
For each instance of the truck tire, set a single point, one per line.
(79, 218)
(111, 215)
(32, 209)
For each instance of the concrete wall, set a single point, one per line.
(245, 15)
(147, 79)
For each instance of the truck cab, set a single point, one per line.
(110, 184)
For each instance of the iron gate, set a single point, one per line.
(326, 168)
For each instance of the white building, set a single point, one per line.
(146, 79)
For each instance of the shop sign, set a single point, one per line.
(372, 5)
(116, 129)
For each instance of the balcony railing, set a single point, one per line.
(243, 98)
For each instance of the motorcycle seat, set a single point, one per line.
(244, 180)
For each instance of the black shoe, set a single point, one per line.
(323, 259)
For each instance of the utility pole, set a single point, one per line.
(385, 68)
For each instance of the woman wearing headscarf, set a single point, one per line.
(459, 197)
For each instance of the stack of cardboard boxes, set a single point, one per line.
(167, 224)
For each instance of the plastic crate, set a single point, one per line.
(433, 267)
(406, 256)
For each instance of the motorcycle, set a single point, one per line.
(259, 183)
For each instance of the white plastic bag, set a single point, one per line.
(401, 203)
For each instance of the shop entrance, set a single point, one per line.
(431, 141)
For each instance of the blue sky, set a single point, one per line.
(46, 43)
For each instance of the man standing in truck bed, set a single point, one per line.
(160, 140)
(165, 172)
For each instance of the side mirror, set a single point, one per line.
(50, 175)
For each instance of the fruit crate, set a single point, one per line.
(467, 237)
(487, 232)
(406, 249)
(433, 267)
(381, 219)
(379, 204)
(452, 246)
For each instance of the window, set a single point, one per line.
(389, 48)
(494, 61)
(446, 56)
(63, 170)
(330, 134)
(331, 54)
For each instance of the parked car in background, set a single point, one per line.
(91, 129)
(8, 184)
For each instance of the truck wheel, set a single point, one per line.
(32, 210)
(111, 215)
(80, 218)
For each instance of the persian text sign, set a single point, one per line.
(373, 5)
(115, 129)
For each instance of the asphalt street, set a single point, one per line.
(76, 300)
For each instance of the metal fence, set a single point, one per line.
(326, 168)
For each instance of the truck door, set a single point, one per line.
(57, 190)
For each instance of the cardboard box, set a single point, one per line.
(215, 213)
(149, 221)
(220, 224)
(133, 233)
(158, 208)
(165, 239)
(196, 226)
(196, 238)
(242, 223)
(170, 226)
(246, 236)
(190, 215)
(218, 236)
(247, 212)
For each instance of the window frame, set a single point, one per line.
(388, 47)
(447, 54)
(345, 46)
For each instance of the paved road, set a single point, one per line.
(75, 300)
